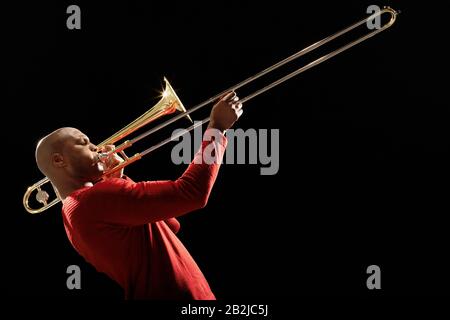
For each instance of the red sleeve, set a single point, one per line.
(124, 202)
(173, 224)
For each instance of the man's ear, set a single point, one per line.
(58, 160)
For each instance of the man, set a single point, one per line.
(127, 229)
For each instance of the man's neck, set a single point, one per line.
(66, 188)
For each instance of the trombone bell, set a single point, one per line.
(169, 103)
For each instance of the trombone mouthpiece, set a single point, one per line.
(102, 157)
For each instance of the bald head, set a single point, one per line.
(50, 145)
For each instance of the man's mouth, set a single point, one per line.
(98, 162)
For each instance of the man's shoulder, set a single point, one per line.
(112, 184)
(85, 203)
(108, 189)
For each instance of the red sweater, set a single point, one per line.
(127, 230)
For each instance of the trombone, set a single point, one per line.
(170, 103)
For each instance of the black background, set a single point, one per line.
(363, 173)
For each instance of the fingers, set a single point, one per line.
(233, 101)
(237, 109)
(118, 159)
(226, 111)
(236, 106)
(107, 148)
(228, 96)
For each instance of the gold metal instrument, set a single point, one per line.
(170, 103)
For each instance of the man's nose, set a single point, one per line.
(93, 147)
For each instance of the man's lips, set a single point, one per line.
(97, 161)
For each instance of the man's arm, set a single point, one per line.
(124, 202)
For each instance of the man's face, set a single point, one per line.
(81, 156)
